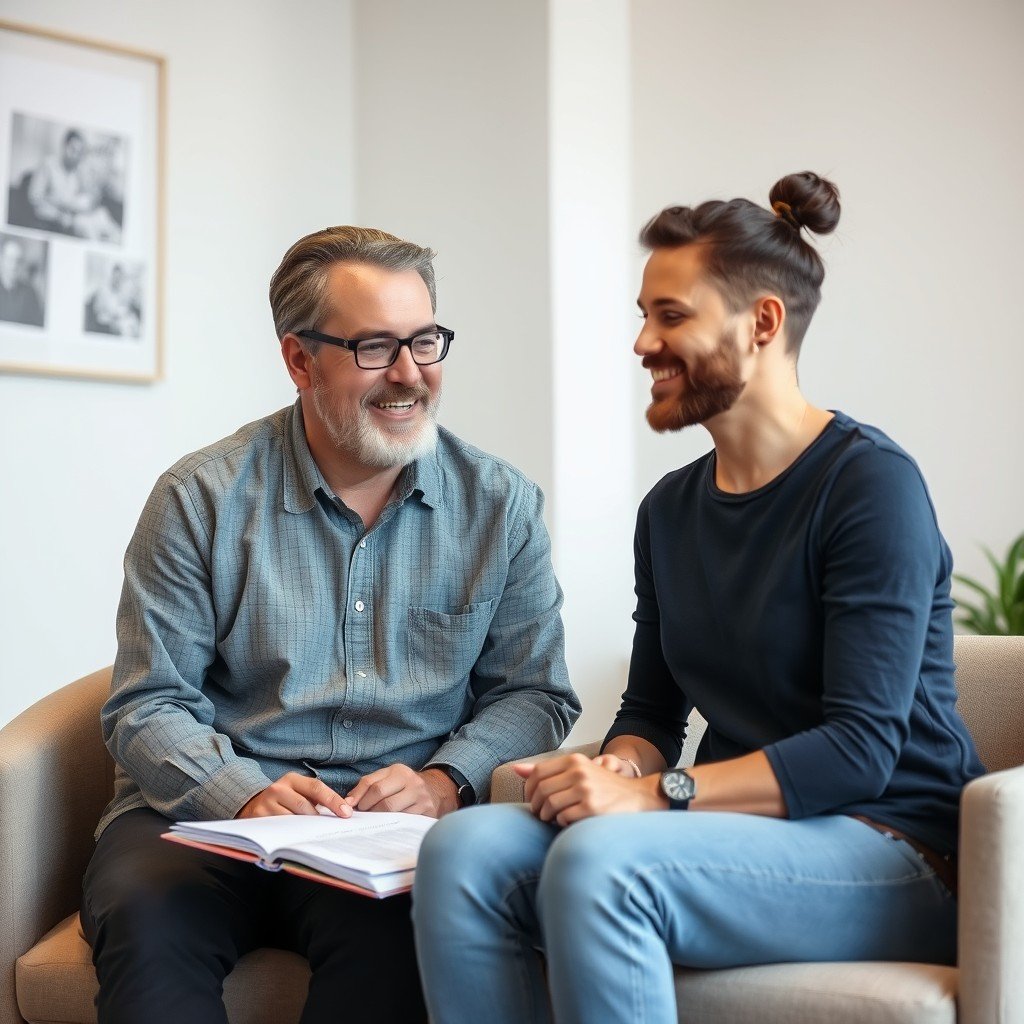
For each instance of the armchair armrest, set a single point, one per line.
(55, 778)
(507, 787)
(991, 926)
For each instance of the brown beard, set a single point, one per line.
(712, 386)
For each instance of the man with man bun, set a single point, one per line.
(793, 586)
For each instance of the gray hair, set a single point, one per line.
(298, 289)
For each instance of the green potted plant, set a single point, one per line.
(1000, 612)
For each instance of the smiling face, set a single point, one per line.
(377, 418)
(690, 341)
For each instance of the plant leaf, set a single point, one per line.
(979, 628)
(989, 610)
(973, 584)
(979, 622)
(1008, 577)
(1002, 608)
(1016, 560)
(968, 623)
(1002, 598)
(1016, 552)
(1016, 619)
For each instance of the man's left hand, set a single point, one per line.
(572, 787)
(399, 788)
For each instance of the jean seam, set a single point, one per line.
(927, 871)
(519, 941)
(629, 895)
(916, 858)
(778, 877)
(636, 974)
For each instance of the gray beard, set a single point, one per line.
(359, 438)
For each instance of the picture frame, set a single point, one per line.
(82, 127)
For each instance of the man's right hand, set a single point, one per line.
(294, 794)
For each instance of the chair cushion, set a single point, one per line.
(56, 983)
(843, 993)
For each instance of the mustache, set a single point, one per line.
(396, 393)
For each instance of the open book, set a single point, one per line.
(370, 853)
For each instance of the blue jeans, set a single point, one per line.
(613, 902)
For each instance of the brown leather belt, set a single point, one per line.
(944, 867)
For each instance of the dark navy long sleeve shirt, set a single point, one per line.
(811, 619)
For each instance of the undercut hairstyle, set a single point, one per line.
(750, 251)
(298, 289)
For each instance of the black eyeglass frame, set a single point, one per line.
(353, 346)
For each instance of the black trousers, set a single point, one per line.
(167, 924)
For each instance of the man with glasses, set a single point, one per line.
(341, 605)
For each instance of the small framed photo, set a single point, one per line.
(81, 207)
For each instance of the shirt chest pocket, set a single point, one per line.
(443, 646)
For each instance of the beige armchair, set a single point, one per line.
(55, 778)
(987, 986)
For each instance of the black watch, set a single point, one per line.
(464, 792)
(678, 787)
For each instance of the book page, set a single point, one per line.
(375, 850)
(270, 837)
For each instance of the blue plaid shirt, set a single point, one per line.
(262, 630)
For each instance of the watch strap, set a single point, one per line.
(675, 803)
(464, 792)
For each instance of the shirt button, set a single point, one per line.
(362, 675)
(362, 543)
(347, 723)
(359, 606)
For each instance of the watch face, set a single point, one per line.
(678, 785)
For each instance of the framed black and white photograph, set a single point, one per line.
(81, 207)
(66, 179)
(114, 296)
(23, 290)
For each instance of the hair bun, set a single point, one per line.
(809, 201)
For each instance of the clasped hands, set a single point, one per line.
(573, 787)
(394, 788)
(561, 789)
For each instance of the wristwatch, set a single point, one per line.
(464, 792)
(679, 787)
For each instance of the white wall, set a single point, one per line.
(914, 110)
(451, 129)
(594, 511)
(258, 153)
(510, 157)
(467, 126)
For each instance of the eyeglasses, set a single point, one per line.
(377, 353)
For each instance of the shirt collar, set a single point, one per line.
(302, 476)
(422, 477)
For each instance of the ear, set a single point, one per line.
(298, 361)
(769, 317)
